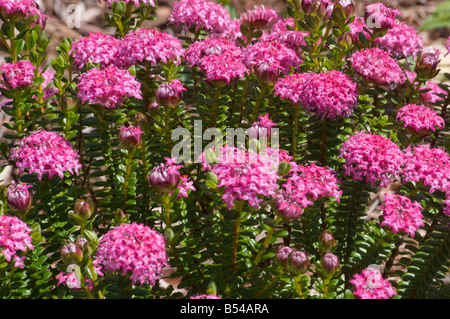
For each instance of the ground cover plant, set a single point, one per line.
(233, 156)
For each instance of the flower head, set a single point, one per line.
(149, 45)
(259, 17)
(432, 95)
(374, 64)
(371, 285)
(22, 9)
(133, 248)
(14, 237)
(200, 14)
(18, 75)
(166, 176)
(292, 86)
(401, 41)
(380, 17)
(108, 87)
(359, 26)
(401, 214)
(222, 69)
(97, 48)
(45, 152)
(20, 197)
(212, 45)
(419, 118)
(372, 158)
(130, 136)
(170, 93)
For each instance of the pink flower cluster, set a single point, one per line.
(358, 26)
(108, 87)
(291, 86)
(222, 69)
(419, 118)
(401, 214)
(97, 48)
(305, 185)
(274, 55)
(379, 16)
(374, 64)
(212, 45)
(246, 176)
(371, 285)
(137, 3)
(18, 75)
(201, 15)
(21, 9)
(290, 38)
(148, 46)
(401, 41)
(432, 96)
(133, 248)
(372, 158)
(45, 152)
(205, 296)
(14, 237)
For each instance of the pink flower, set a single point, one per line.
(18, 75)
(45, 152)
(148, 46)
(97, 48)
(432, 96)
(262, 128)
(130, 137)
(216, 45)
(170, 93)
(185, 186)
(201, 15)
(222, 69)
(419, 118)
(371, 285)
(372, 158)
(401, 214)
(376, 65)
(292, 86)
(137, 3)
(14, 237)
(133, 248)
(380, 17)
(401, 41)
(259, 17)
(290, 38)
(21, 9)
(20, 197)
(274, 55)
(246, 176)
(359, 26)
(108, 87)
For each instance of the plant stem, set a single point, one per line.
(237, 227)
(126, 179)
(295, 132)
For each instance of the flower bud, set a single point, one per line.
(266, 73)
(284, 168)
(130, 137)
(298, 262)
(344, 40)
(68, 104)
(71, 253)
(211, 176)
(282, 256)
(327, 242)
(428, 62)
(330, 264)
(163, 179)
(212, 288)
(19, 197)
(286, 207)
(170, 94)
(83, 208)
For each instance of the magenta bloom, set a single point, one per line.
(201, 15)
(380, 17)
(401, 41)
(222, 69)
(259, 17)
(14, 237)
(45, 152)
(371, 285)
(429, 165)
(21, 9)
(357, 26)
(401, 214)
(97, 48)
(292, 86)
(290, 38)
(376, 65)
(211, 46)
(133, 248)
(108, 87)
(275, 55)
(330, 95)
(149, 46)
(419, 118)
(247, 176)
(372, 158)
(18, 75)
(432, 96)
(262, 128)
(137, 3)
(130, 137)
